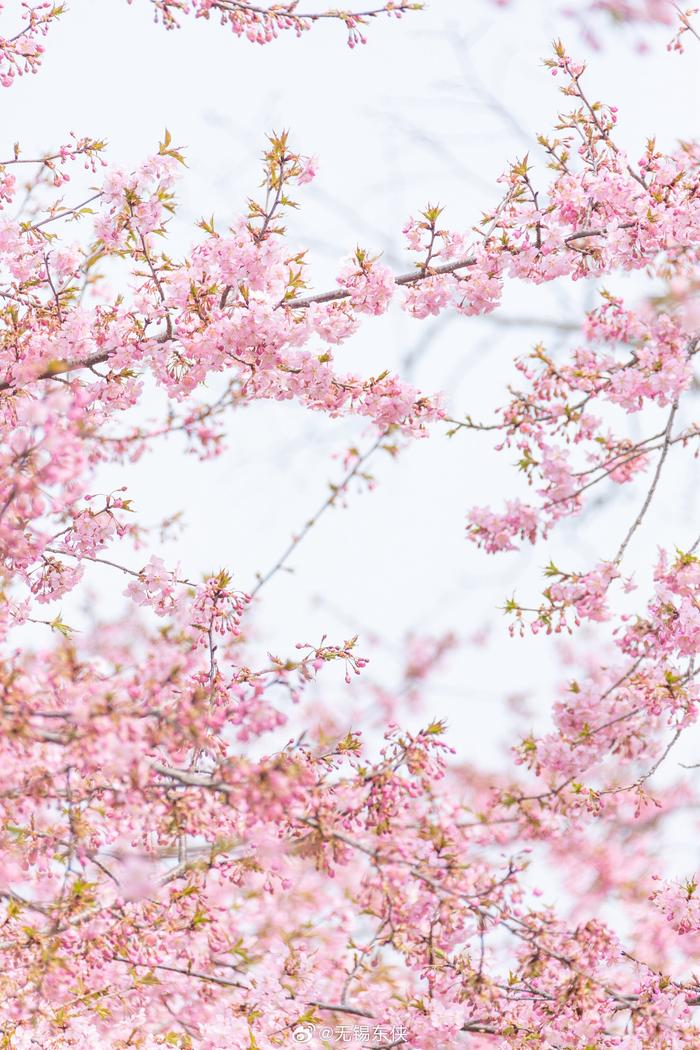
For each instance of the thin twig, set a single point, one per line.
(650, 494)
(336, 491)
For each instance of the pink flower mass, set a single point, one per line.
(171, 874)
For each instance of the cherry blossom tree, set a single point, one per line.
(170, 876)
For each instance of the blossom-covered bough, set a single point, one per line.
(164, 881)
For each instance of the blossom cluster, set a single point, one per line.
(201, 847)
